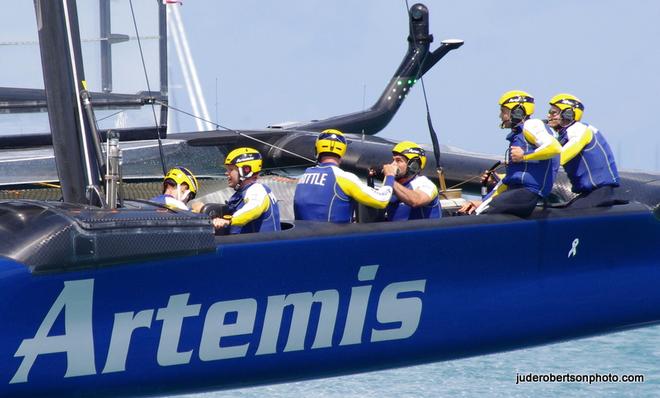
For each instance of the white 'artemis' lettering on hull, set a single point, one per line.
(77, 342)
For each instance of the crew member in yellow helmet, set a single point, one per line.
(179, 187)
(586, 156)
(532, 160)
(253, 206)
(327, 193)
(415, 196)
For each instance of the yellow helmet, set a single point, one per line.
(331, 141)
(248, 161)
(414, 153)
(181, 175)
(570, 106)
(521, 103)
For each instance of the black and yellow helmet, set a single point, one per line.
(414, 153)
(411, 151)
(521, 103)
(181, 175)
(570, 106)
(331, 141)
(247, 160)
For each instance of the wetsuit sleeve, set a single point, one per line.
(364, 194)
(499, 188)
(425, 185)
(579, 135)
(256, 203)
(536, 133)
(170, 202)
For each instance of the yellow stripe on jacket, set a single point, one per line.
(256, 203)
(536, 133)
(579, 135)
(373, 197)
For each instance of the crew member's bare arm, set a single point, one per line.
(414, 198)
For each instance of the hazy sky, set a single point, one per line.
(264, 62)
(281, 61)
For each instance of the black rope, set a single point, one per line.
(217, 125)
(146, 77)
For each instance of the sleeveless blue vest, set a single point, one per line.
(399, 211)
(268, 221)
(593, 167)
(318, 197)
(535, 175)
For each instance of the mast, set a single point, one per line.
(64, 79)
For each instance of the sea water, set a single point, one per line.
(633, 352)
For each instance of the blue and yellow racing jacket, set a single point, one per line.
(587, 158)
(540, 162)
(254, 209)
(399, 211)
(328, 193)
(170, 202)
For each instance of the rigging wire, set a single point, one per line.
(474, 178)
(282, 149)
(237, 132)
(90, 40)
(160, 144)
(110, 115)
(146, 77)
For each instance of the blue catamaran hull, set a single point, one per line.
(309, 302)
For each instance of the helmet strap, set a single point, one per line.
(244, 172)
(566, 123)
(183, 197)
